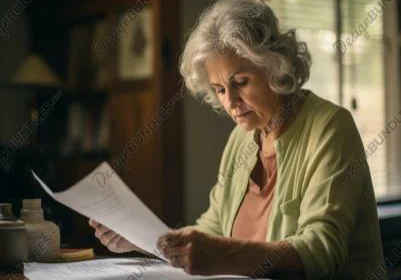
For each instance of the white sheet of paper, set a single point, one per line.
(112, 269)
(104, 197)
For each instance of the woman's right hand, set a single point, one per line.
(113, 241)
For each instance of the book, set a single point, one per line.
(74, 255)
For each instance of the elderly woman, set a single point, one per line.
(294, 196)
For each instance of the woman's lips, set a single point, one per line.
(243, 114)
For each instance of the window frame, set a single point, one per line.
(392, 48)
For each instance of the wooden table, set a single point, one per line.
(13, 277)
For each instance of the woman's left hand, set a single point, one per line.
(197, 252)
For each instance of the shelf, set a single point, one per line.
(95, 155)
(86, 96)
(81, 95)
(135, 85)
(44, 88)
(87, 156)
(84, 18)
(11, 86)
(79, 8)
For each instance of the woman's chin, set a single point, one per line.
(247, 122)
(247, 126)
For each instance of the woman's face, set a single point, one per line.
(242, 89)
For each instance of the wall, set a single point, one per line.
(205, 132)
(12, 51)
(205, 135)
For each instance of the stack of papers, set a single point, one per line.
(112, 269)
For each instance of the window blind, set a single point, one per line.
(362, 66)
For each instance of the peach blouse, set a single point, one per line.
(251, 220)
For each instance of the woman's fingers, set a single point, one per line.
(176, 261)
(93, 223)
(104, 234)
(175, 256)
(101, 230)
(107, 236)
(114, 242)
(110, 240)
(177, 238)
(97, 226)
(175, 251)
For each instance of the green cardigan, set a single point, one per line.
(324, 203)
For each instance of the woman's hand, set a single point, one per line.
(200, 253)
(113, 241)
(204, 254)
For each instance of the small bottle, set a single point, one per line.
(43, 236)
(13, 242)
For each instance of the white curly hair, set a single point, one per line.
(250, 30)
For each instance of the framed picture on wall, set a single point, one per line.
(135, 46)
(88, 54)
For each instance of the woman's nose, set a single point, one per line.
(233, 97)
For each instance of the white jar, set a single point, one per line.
(43, 236)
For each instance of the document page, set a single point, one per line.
(104, 197)
(113, 269)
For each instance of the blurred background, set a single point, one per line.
(80, 80)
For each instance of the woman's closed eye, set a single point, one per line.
(220, 90)
(239, 83)
(242, 82)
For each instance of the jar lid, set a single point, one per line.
(32, 203)
(31, 210)
(17, 225)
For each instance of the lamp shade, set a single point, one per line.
(35, 71)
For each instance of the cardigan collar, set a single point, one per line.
(285, 136)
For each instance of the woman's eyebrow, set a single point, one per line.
(230, 78)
